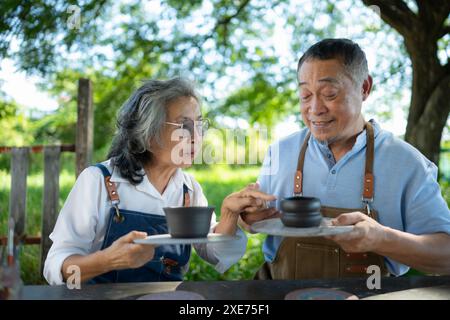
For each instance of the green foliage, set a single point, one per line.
(7, 109)
(184, 8)
(15, 126)
(16, 131)
(220, 180)
(43, 31)
(260, 102)
(110, 91)
(58, 127)
(227, 47)
(445, 189)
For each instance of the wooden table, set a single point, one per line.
(233, 290)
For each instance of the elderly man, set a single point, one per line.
(363, 176)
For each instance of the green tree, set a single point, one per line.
(424, 27)
(34, 33)
(224, 46)
(15, 127)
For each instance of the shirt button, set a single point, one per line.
(329, 156)
(333, 171)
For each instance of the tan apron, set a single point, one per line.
(317, 257)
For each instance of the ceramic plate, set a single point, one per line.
(276, 228)
(319, 294)
(167, 239)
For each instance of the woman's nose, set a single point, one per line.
(196, 134)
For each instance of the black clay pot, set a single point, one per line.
(188, 222)
(300, 212)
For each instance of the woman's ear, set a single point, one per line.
(366, 87)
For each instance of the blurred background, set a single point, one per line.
(242, 54)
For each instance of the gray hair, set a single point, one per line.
(141, 120)
(354, 59)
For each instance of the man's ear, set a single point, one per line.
(366, 87)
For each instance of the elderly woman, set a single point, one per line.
(160, 130)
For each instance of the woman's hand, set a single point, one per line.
(246, 200)
(125, 254)
(254, 214)
(122, 254)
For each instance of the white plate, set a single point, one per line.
(276, 228)
(167, 239)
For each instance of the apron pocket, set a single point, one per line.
(315, 261)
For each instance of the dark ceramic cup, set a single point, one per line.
(300, 212)
(188, 222)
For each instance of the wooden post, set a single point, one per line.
(85, 133)
(18, 195)
(50, 204)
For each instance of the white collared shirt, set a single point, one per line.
(81, 225)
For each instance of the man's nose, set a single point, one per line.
(317, 106)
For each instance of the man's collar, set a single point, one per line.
(360, 139)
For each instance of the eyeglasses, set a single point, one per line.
(201, 126)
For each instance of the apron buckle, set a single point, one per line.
(118, 218)
(366, 203)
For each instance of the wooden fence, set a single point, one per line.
(19, 170)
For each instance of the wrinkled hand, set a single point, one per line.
(246, 200)
(257, 213)
(125, 254)
(367, 236)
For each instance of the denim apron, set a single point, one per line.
(169, 260)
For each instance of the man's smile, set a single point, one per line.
(321, 124)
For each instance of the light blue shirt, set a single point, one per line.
(407, 195)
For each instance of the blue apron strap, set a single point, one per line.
(105, 170)
(186, 197)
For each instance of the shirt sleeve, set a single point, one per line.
(426, 211)
(221, 254)
(75, 227)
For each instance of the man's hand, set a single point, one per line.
(425, 252)
(367, 236)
